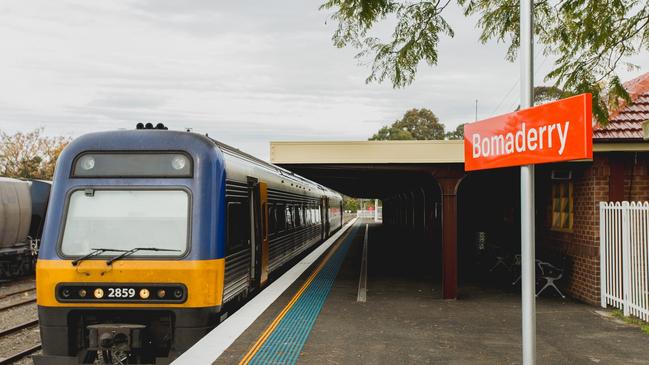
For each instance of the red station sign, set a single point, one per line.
(557, 131)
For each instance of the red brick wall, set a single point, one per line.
(590, 182)
(637, 175)
(590, 186)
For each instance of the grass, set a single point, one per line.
(644, 326)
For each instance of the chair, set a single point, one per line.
(501, 258)
(500, 261)
(517, 264)
(550, 274)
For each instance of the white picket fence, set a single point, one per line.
(624, 257)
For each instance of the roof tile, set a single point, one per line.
(626, 122)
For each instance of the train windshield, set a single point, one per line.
(126, 219)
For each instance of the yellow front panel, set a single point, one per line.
(204, 279)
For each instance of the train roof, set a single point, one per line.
(281, 171)
(169, 139)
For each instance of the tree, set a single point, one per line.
(546, 94)
(391, 133)
(421, 124)
(458, 133)
(588, 39)
(350, 204)
(30, 155)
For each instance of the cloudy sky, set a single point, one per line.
(246, 72)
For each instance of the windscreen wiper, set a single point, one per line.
(94, 252)
(136, 249)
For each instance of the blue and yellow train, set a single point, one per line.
(153, 235)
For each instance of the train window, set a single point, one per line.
(289, 217)
(298, 216)
(238, 234)
(272, 219)
(126, 219)
(98, 164)
(281, 217)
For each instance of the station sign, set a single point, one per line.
(558, 131)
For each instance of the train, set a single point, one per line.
(22, 213)
(152, 237)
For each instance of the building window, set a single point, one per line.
(562, 205)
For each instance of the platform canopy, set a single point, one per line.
(366, 152)
(372, 169)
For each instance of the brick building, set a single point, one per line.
(568, 195)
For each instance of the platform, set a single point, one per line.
(404, 319)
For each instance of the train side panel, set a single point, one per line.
(15, 211)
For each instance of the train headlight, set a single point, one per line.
(179, 162)
(83, 293)
(161, 293)
(98, 293)
(87, 162)
(66, 293)
(144, 293)
(178, 293)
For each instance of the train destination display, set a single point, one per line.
(557, 131)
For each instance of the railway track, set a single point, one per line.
(16, 292)
(23, 353)
(19, 355)
(17, 304)
(14, 302)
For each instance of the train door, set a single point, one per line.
(262, 190)
(238, 275)
(258, 194)
(255, 234)
(324, 214)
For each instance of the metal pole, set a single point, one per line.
(528, 295)
(376, 210)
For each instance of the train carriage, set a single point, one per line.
(22, 209)
(151, 235)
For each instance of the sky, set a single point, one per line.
(245, 72)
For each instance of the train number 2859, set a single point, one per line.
(121, 292)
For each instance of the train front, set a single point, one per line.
(130, 268)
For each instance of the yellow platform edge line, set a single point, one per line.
(271, 328)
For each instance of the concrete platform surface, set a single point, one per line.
(404, 321)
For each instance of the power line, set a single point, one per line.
(538, 68)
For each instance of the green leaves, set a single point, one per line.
(421, 124)
(415, 37)
(588, 39)
(30, 154)
(458, 133)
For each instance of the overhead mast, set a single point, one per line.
(528, 298)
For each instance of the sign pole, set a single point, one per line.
(528, 261)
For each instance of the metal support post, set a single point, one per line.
(376, 210)
(528, 298)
